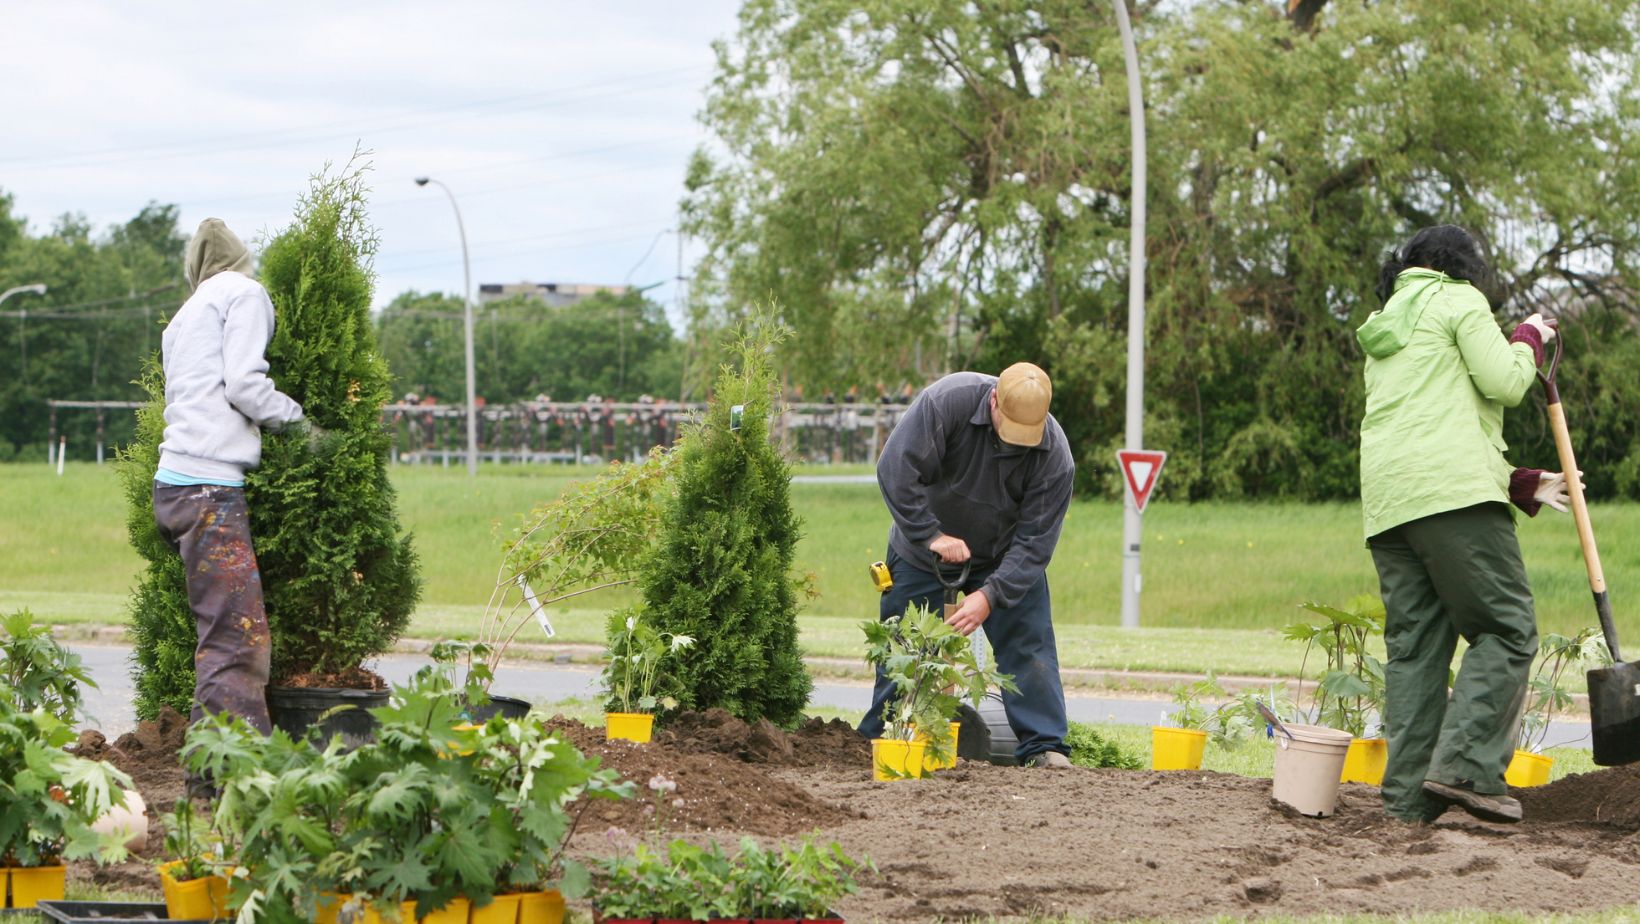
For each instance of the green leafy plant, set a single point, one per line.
(188, 843)
(1350, 693)
(1190, 711)
(592, 537)
(1091, 749)
(687, 882)
(722, 570)
(48, 797)
(933, 669)
(691, 882)
(1239, 719)
(793, 882)
(636, 653)
(1558, 655)
(436, 807)
(37, 671)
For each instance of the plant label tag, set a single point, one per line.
(737, 413)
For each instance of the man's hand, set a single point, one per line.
(973, 610)
(951, 549)
(1551, 490)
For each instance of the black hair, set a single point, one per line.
(1447, 248)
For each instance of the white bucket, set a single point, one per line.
(1308, 767)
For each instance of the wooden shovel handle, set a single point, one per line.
(1574, 488)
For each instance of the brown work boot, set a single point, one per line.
(1499, 808)
(1053, 760)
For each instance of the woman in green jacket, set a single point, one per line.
(1435, 491)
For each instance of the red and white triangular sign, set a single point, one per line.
(1140, 468)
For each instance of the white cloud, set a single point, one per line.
(563, 128)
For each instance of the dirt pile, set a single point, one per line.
(1610, 796)
(815, 743)
(712, 792)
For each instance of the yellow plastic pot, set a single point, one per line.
(455, 912)
(1365, 761)
(203, 899)
(929, 763)
(628, 726)
(1528, 769)
(893, 759)
(1176, 748)
(33, 884)
(502, 910)
(545, 907)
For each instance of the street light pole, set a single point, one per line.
(38, 288)
(1132, 522)
(467, 305)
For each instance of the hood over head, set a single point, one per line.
(1387, 330)
(214, 249)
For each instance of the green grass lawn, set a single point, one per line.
(1219, 579)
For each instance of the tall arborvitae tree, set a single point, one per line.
(722, 572)
(339, 577)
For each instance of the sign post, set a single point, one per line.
(1132, 528)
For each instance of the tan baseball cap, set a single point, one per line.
(1023, 393)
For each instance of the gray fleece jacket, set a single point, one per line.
(217, 392)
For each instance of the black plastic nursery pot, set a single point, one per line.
(103, 912)
(505, 706)
(985, 733)
(296, 710)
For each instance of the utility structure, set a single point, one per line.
(38, 288)
(1132, 518)
(467, 315)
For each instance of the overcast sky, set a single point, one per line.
(562, 128)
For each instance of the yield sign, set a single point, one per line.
(1140, 468)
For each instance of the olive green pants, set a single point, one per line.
(1452, 574)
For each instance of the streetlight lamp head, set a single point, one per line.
(422, 180)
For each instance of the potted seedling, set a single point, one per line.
(636, 652)
(933, 669)
(1559, 655)
(793, 884)
(1350, 693)
(591, 537)
(1180, 740)
(193, 889)
(48, 801)
(686, 883)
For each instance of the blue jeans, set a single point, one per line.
(1022, 645)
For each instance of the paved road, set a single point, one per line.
(109, 709)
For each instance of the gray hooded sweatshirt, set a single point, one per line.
(217, 392)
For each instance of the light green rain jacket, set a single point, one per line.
(1439, 374)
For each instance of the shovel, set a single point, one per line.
(1614, 692)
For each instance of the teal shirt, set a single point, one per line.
(166, 476)
(1439, 374)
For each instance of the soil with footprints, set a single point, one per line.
(988, 841)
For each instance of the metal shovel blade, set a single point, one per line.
(1614, 713)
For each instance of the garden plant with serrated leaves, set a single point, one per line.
(1350, 694)
(636, 652)
(933, 669)
(434, 809)
(1558, 654)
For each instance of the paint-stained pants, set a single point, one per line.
(1022, 643)
(1452, 574)
(210, 526)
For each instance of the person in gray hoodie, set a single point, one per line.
(218, 399)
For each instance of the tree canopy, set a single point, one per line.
(928, 187)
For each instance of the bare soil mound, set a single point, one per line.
(712, 793)
(151, 755)
(815, 743)
(1610, 796)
